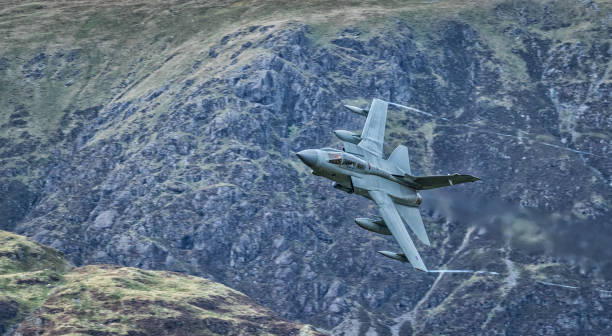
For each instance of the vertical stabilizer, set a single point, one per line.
(399, 157)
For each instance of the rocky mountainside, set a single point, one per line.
(42, 294)
(162, 136)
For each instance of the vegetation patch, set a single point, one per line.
(39, 289)
(28, 273)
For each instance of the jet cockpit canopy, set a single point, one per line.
(346, 160)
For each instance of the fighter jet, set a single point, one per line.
(361, 169)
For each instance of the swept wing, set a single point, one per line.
(388, 212)
(373, 134)
(438, 181)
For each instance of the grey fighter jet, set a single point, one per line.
(361, 169)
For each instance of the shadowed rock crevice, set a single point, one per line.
(16, 199)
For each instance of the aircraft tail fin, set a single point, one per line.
(400, 158)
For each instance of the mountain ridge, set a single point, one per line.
(183, 161)
(42, 294)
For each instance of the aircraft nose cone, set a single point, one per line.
(308, 156)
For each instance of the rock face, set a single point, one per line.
(180, 157)
(15, 201)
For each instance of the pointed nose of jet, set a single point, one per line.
(308, 156)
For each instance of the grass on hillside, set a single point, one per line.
(38, 281)
(124, 300)
(28, 272)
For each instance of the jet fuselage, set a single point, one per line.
(342, 168)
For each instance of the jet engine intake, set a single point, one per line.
(348, 136)
(374, 225)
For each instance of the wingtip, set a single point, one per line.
(419, 265)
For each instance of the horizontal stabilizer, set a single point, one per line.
(436, 181)
(412, 217)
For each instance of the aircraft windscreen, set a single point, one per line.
(352, 162)
(346, 160)
(335, 158)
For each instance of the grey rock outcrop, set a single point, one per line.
(197, 174)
